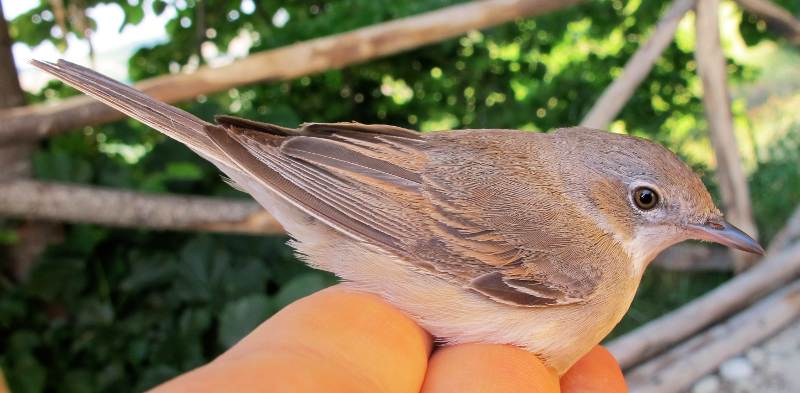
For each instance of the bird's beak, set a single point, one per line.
(722, 232)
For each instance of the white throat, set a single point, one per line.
(648, 242)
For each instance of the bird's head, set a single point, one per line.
(643, 193)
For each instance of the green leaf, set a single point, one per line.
(61, 166)
(183, 171)
(148, 274)
(241, 316)
(300, 286)
(159, 6)
(26, 375)
(202, 271)
(59, 279)
(93, 312)
(8, 237)
(78, 381)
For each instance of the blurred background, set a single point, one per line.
(93, 307)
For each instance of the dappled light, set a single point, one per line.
(162, 265)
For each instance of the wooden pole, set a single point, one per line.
(289, 62)
(778, 19)
(730, 175)
(32, 237)
(676, 370)
(620, 91)
(98, 205)
(655, 336)
(694, 257)
(790, 233)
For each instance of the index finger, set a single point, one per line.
(336, 340)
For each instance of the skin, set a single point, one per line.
(340, 340)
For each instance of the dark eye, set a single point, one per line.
(645, 198)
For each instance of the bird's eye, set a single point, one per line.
(645, 198)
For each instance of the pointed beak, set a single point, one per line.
(722, 232)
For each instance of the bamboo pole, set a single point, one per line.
(676, 370)
(716, 100)
(98, 205)
(636, 69)
(289, 62)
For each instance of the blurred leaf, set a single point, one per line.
(94, 312)
(241, 316)
(57, 279)
(61, 166)
(301, 286)
(183, 171)
(159, 6)
(26, 375)
(78, 381)
(148, 274)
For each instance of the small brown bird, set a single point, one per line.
(496, 236)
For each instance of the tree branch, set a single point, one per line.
(694, 257)
(778, 19)
(730, 175)
(32, 237)
(676, 370)
(97, 205)
(620, 91)
(289, 62)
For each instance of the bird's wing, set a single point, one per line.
(436, 205)
(497, 208)
(444, 203)
(353, 177)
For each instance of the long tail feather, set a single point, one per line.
(173, 122)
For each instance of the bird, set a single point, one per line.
(532, 239)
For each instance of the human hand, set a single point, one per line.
(339, 340)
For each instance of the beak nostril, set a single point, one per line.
(715, 225)
(720, 231)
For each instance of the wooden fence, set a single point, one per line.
(718, 327)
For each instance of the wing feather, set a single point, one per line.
(442, 202)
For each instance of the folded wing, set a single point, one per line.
(445, 207)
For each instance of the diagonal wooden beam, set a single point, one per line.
(636, 69)
(676, 370)
(289, 62)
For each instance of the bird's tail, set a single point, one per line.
(173, 122)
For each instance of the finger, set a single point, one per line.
(336, 340)
(596, 372)
(473, 368)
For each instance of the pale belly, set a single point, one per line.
(559, 335)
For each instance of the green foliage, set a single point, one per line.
(122, 310)
(108, 305)
(776, 184)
